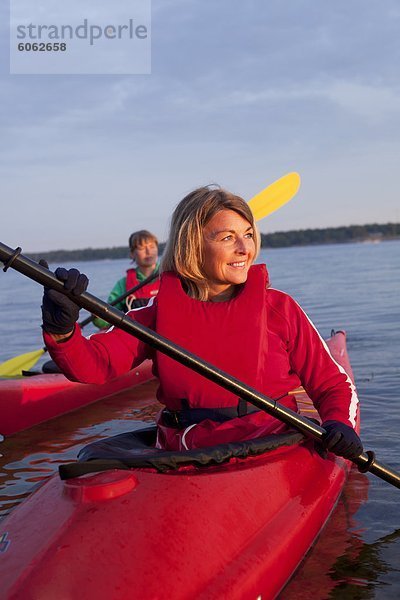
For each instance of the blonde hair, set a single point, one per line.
(184, 252)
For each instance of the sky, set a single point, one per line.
(239, 94)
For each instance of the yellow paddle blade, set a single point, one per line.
(274, 196)
(23, 362)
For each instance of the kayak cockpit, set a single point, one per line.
(136, 449)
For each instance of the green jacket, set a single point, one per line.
(118, 290)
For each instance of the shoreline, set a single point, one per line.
(372, 234)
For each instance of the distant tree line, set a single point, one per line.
(59, 256)
(279, 239)
(331, 235)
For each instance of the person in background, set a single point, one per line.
(216, 304)
(143, 250)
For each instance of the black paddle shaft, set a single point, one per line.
(123, 296)
(13, 258)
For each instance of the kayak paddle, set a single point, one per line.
(263, 204)
(13, 258)
(23, 362)
(275, 195)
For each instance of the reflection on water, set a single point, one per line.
(341, 565)
(363, 570)
(34, 455)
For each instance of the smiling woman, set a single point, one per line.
(212, 234)
(216, 305)
(229, 252)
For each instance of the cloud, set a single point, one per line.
(373, 103)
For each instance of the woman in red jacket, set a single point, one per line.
(216, 304)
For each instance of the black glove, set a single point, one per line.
(139, 302)
(59, 313)
(341, 440)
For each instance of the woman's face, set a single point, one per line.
(229, 251)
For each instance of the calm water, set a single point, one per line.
(353, 287)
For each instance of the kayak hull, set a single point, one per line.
(236, 531)
(28, 401)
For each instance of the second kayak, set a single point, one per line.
(27, 401)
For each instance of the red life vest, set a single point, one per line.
(229, 335)
(147, 291)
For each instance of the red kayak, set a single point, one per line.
(27, 401)
(173, 527)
